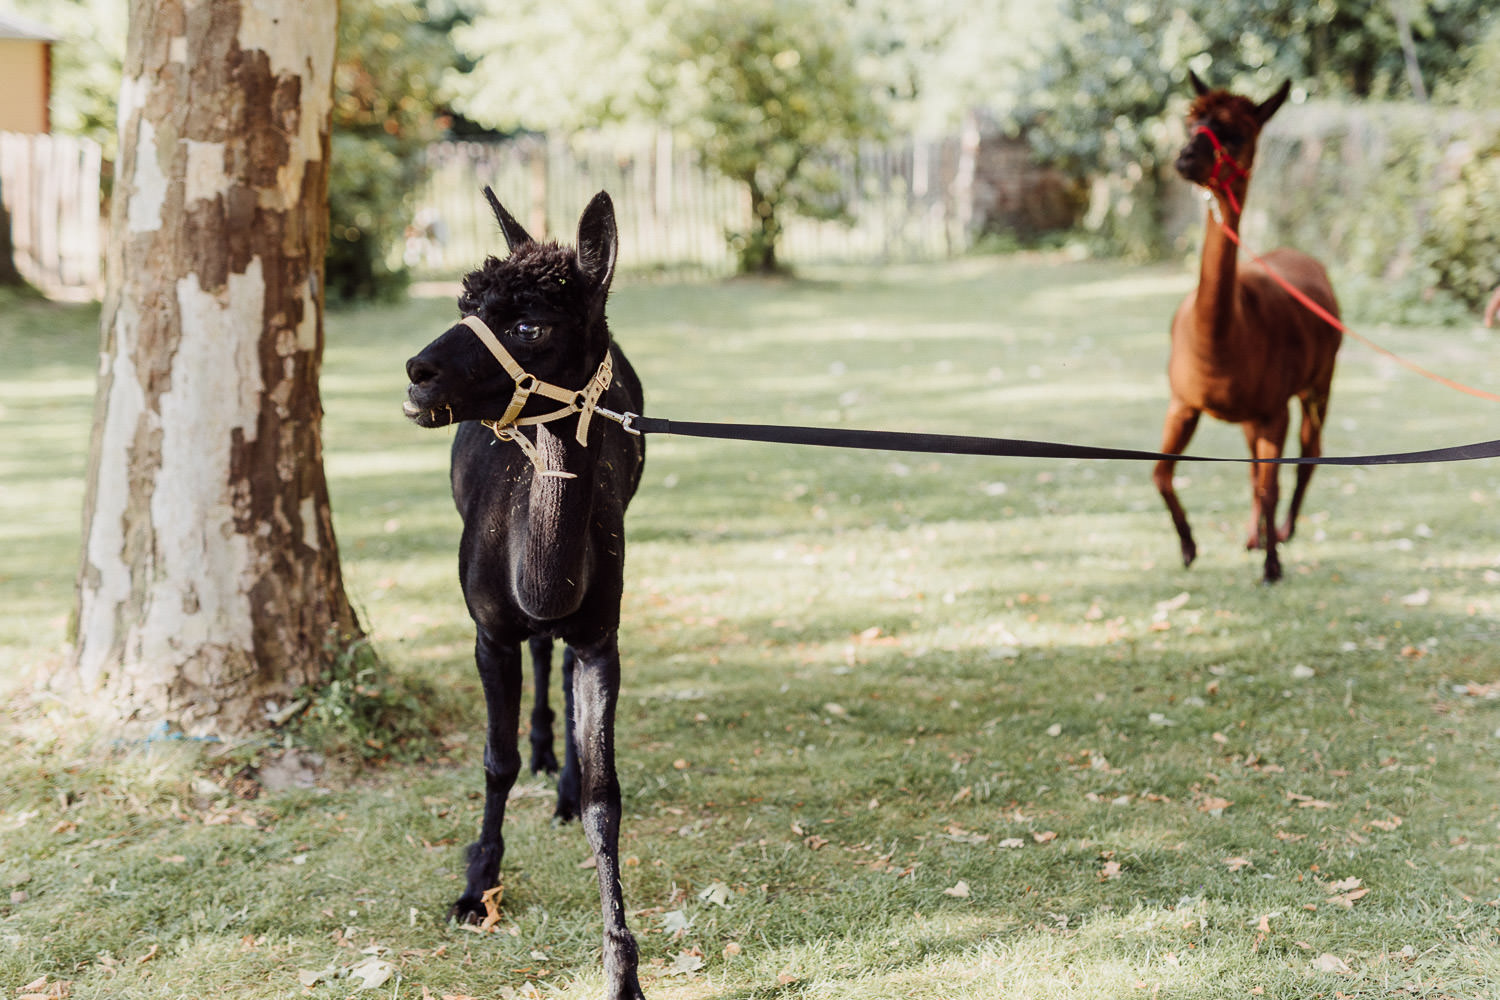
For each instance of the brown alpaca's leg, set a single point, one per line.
(596, 688)
(1266, 440)
(1182, 420)
(1314, 409)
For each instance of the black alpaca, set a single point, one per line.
(542, 553)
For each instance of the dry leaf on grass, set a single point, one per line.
(1214, 805)
(686, 963)
(1110, 870)
(959, 891)
(717, 894)
(1044, 837)
(1330, 963)
(372, 972)
(1237, 863)
(491, 900)
(1346, 892)
(1307, 801)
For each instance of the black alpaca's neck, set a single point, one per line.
(550, 551)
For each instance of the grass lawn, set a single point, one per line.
(893, 726)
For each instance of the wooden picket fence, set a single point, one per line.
(674, 213)
(50, 187)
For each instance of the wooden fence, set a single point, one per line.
(673, 213)
(50, 187)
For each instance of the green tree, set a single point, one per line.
(772, 92)
(394, 56)
(1113, 86)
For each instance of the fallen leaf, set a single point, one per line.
(814, 842)
(1237, 863)
(1418, 599)
(1055, 729)
(1386, 824)
(1214, 805)
(491, 900)
(959, 891)
(149, 955)
(675, 923)
(1011, 843)
(732, 949)
(686, 963)
(1330, 963)
(309, 978)
(717, 894)
(1044, 837)
(1110, 870)
(372, 972)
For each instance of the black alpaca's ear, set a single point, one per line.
(515, 236)
(1199, 87)
(598, 242)
(1267, 108)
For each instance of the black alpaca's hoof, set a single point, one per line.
(566, 811)
(1273, 573)
(1189, 553)
(543, 760)
(467, 911)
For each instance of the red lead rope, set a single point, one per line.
(1224, 163)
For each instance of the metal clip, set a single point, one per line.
(623, 419)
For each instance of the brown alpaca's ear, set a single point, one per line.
(1199, 87)
(515, 236)
(598, 242)
(1267, 108)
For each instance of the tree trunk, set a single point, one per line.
(209, 586)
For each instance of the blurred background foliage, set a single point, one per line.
(768, 90)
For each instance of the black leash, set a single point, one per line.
(957, 444)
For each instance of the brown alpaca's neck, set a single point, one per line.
(1217, 274)
(552, 569)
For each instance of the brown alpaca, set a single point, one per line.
(1242, 347)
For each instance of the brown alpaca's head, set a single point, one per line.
(1222, 130)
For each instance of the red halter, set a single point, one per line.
(1223, 164)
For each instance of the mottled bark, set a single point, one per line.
(209, 583)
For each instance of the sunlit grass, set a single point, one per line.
(898, 726)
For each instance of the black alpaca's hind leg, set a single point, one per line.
(499, 666)
(567, 781)
(596, 684)
(543, 759)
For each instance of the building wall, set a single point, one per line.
(24, 82)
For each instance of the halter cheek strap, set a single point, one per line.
(584, 402)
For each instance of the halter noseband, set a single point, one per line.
(1224, 164)
(584, 402)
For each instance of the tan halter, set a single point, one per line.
(584, 402)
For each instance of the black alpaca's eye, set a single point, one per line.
(530, 333)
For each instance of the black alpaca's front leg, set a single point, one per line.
(499, 666)
(543, 759)
(596, 688)
(567, 781)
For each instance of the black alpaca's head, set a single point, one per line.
(545, 304)
(1231, 120)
